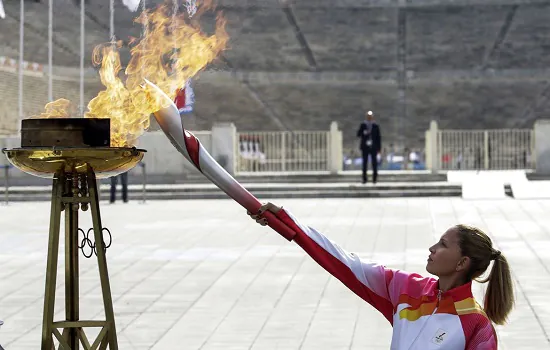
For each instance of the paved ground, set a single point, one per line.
(201, 275)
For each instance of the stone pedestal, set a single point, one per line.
(336, 163)
(224, 144)
(542, 146)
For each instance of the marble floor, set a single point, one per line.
(202, 275)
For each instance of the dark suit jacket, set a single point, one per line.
(373, 136)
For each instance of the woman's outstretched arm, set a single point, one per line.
(374, 283)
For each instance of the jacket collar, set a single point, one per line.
(458, 293)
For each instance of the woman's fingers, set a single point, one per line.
(263, 208)
(269, 206)
(260, 219)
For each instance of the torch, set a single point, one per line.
(190, 147)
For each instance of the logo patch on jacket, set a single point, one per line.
(439, 337)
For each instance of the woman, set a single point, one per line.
(426, 313)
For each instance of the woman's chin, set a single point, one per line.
(429, 268)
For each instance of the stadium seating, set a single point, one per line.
(466, 66)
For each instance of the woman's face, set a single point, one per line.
(445, 256)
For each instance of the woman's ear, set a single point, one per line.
(463, 264)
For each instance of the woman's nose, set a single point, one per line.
(431, 249)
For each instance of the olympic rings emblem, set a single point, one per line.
(87, 241)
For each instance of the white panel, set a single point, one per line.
(477, 188)
(531, 189)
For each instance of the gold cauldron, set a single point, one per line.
(74, 153)
(45, 162)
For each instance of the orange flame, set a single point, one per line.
(172, 50)
(61, 108)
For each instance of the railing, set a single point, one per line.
(144, 181)
(6, 183)
(282, 151)
(504, 149)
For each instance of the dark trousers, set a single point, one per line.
(124, 182)
(370, 153)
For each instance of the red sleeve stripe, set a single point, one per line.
(339, 270)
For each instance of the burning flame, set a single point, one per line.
(61, 108)
(172, 50)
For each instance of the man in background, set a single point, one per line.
(370, 145)
(124, 183)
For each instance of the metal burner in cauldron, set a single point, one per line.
(74, 152)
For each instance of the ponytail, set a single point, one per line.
(499, 297)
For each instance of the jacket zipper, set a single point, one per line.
(425, 323)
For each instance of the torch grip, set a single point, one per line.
(278, 225)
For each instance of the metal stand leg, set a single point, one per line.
(72, 298)
(102, 263)
(51, 269)
(68, 196)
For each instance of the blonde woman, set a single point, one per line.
(426, 313)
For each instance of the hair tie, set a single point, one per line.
(495, 255)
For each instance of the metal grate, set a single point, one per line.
(283, 151)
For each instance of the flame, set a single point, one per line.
(172, 50)
(61, 108)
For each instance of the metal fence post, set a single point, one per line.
(6, 184)
(439, 150)
(486, 149)
(144, 173)
(283, 151)
(531, 157)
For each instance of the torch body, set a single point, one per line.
(190, 147)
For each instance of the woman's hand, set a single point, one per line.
(259, 216)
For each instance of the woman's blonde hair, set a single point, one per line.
(499, 297)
